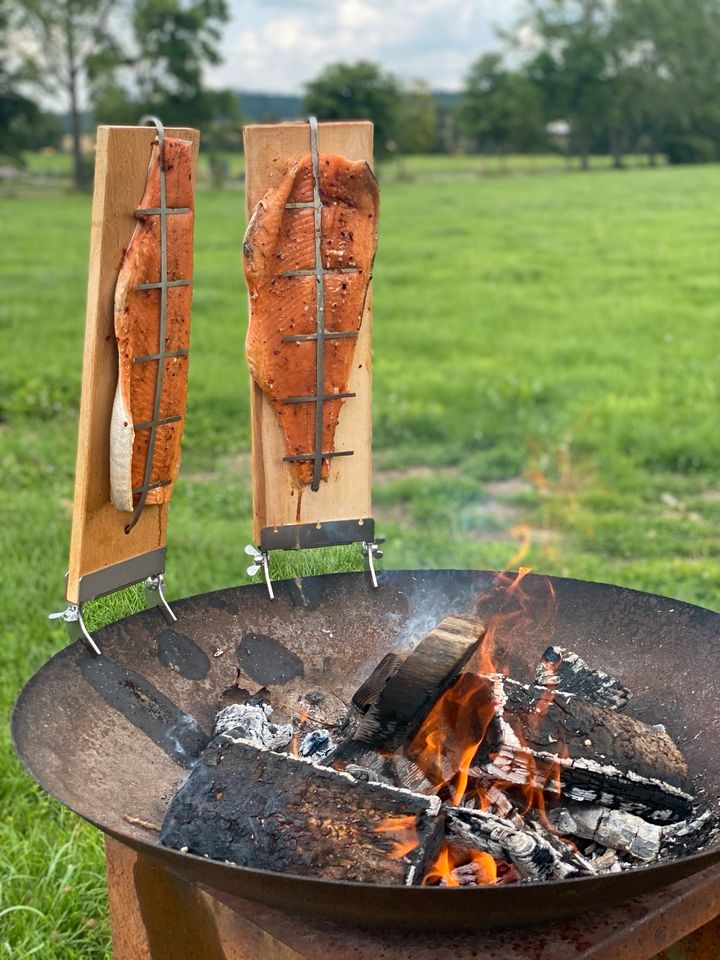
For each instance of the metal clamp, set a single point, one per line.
(260, 562)
(371, 550)
(76, 628)
(154, 589)
(147, 568)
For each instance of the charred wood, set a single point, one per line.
(610, 828)
(554, 722)
(274, 811)
(555, 742)
(566, 672)
(533, 856)
(413, 684)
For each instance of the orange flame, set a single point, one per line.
(441, 873)
(405, 833)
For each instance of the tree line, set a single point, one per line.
(581, 76)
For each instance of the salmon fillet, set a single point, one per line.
(281, 238)
(137, 331)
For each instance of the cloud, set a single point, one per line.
(278, 45)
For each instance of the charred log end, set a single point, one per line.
(273, 811)
(410, 692)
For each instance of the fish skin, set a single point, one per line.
(280, 239)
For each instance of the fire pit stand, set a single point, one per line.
(156, 915)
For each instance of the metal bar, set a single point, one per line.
(99, 583)
(327, 396)
(315, 272)
(328, 335)
(160, 356)
(162, 286)
(156, 423)
(300, 205)
(304, 536)
(155, 211)
(320, 305)
(147, 487)
(308, 457)
(160, 374)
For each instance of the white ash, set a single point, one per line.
(318, 744)
(251, 722)
(610, 828)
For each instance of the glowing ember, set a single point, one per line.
(456, 867)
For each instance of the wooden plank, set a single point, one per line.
(98, 536)
(269, 150)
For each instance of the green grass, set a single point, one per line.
(547, 358)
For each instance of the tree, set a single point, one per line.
(672, 49)
(571, 70)
(359, 91)
(417, 126)
(174, 41)
(17, 112)
(500, 110)
(72, 37)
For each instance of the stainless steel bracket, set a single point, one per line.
(148, 569)
(371, 550)
(76, 628)
(261, 561)
(155, 596)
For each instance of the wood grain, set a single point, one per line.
(98, 536)
(269, 150)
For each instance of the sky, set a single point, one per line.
(278, 45)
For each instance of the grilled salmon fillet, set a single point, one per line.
(137, 331)
(280, 239)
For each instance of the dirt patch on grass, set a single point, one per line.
(420, 471)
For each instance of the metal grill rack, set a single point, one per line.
(163, 285)
(337, 532)
(321, 334)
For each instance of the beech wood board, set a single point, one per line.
(98, 537)
(269, 150)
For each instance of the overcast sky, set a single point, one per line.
(277, 45)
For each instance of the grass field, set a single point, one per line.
(547, 366)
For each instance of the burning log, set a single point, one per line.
(534, 857)
(566, 672)
(610, 828)
(549, 740)
(274, 811)
(400, 693)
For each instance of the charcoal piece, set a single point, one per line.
(600, 756)
(395, 769)
(587, 780)
(533, 856)
(252, 722)
(610, 828)
(562, 670)
(317, 745)
(693, 835)
(415, 683)
(274, 811)
(555, 722)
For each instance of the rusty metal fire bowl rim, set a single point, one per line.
(339, 590)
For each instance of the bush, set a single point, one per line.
(691, 149)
